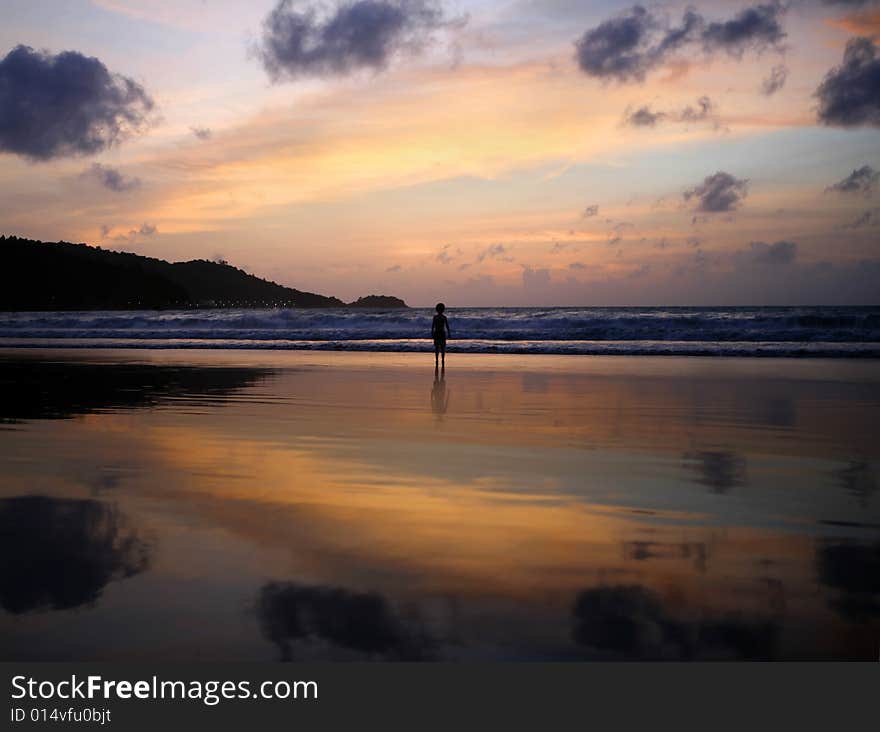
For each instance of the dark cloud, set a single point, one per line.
(702, 112)
(862, 180)
(852, 570)
(626, 47)
(625, 618)
(849, 96)
(112, 179)
(66, 104)
(871, 217)
(203, 133)
(359, 622)
(60, 553)
(718, 193)
(775, 81)
(646, 551)
(615, 49)
(780, 252)
(756, 28)
(312, 40)
(631, 621)
(63, 390)
(590, 211)
(644, 117)
(857, 479)
(719, 470)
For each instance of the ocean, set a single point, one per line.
(698, 331)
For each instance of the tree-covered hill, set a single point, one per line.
(64, 276)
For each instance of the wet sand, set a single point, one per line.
(202, 505)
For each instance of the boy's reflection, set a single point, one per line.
(439, 395)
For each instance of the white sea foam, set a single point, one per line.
(811, 331)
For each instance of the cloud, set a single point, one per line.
(590, 211)
(857, 479)
(626, 47)
(203, 133)
(756, 28)
(775, 81)
(629, 45)
(60, 553)
(360, 622)
(66, 104)
(852, 570)
(143, 230)
(871, 217)
(705, 109)
(494, 251)
(718, 193)
(631, 621)
(313, 40)
(851, 3)
(615, 48)
(446, 256)
(535, 277)
(761, 253)
(645, 117)
(112, 179)
(861, 180)
(849, 96)
(443, 255)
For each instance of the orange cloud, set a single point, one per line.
(863, 23)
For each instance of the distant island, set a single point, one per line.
(63, 276)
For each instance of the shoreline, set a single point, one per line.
(857, 351)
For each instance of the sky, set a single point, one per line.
(479, 152)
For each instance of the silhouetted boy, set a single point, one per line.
(439, 331)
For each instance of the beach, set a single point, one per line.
(293, 505)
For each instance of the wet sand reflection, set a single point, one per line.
(615, 510)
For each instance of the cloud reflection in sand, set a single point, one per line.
(530, 521)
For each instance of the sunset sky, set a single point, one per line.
(483, 152)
